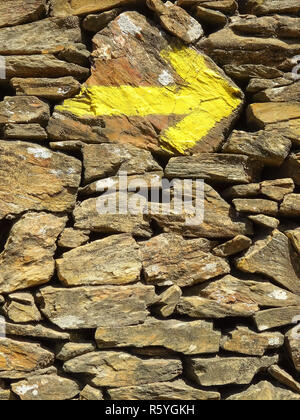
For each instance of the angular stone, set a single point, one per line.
(233, 297)
(69, 351)
(241, 191)
(225, 6)
(244, 341)
(92, 307)
(22, 308)
(16, 12)
(176, 21)
(277, 189)
(32, 132)
(228, 47)
(105, 160)
(283, 263)
(143, 112)
(265, 391)
(294, 236)
(169, 259)
(269, 147)
(288, 93)
(291, 167)
(115, 369)
(257, 85)
(197, 337)
(65, 8)
(274, 318)
(225, 371)
(27, 259)
(290, 207)
(35, 178)
(23, 109)
(265, 221)
(91, 394)
(50, 36)
(43, 65)
(22, 357)
(236, 245)
(88, 217)
(265, 7)
(292, 343)
(220, 219)
(17, 375)
(229, 169)
(282, 116)
(210, 17)
(36, 331)
(176, 390)
(168, 301)
(52, 89)
(73, 238)
(95, 23)
(284, 378)
(242, 72)
(46, 388)
(115, 260)
(256, 206)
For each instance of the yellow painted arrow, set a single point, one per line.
(203, 101)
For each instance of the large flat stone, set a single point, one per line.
(16, 12)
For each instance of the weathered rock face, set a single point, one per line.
(27, 259)
(169, 259)
(92, 307)
(176, 390)
(115, 260)
(46, 388)
(114, 369)
(189, 338)
(224, 371)
(34, 178)
(130, 46)
(149, 220)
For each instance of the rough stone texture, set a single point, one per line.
(244, 341)
(22, 357)
(16, 12)
(277, 189)
(269, 147)
(169, 259)
(294, 236)
(31, 132)
(65, 8)
(256, 206)
(52, 89)
(91, 394)
(237, 244)
(293, 347)
(291, 168)
(265, 391)
(271, 318)
(27, 259)
(225, 371)
(265, 221)
(73, 238)
(69, 351)
(22, 308)
(284, 378)
(46, 388)
(290, 206)
(34, 178)
(168, 301)
(176, 390)
(197, 337)
(92, 307)
(23, 109)
(266, 7)
(95, 22)
(223, 168)
(114, 369)
(283, 263)
(114, 260)
(152, 122)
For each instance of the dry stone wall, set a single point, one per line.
(144, 305)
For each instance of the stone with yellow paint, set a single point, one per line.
(28, 256)
(190, 107)
(21, 358)
(195, 337)
(35, 178)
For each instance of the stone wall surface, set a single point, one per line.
(143, 305)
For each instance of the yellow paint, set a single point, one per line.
(203, 100)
